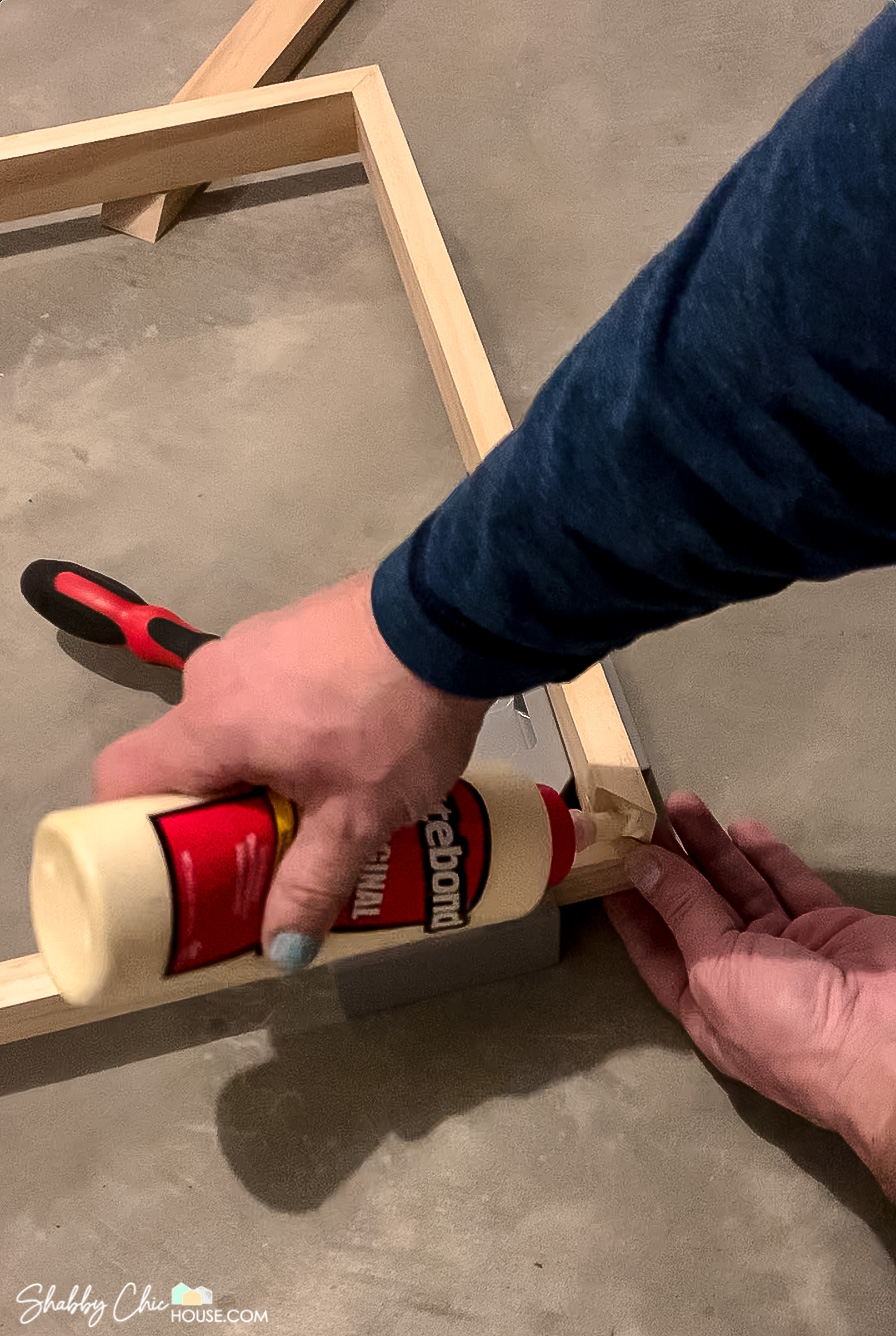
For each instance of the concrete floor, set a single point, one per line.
(244, 412)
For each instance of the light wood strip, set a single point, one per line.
(265, 46)
(44, 171)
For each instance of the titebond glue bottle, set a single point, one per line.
(126, 896)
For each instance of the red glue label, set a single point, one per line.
(221, 858)
(222, 855)
(431, 874)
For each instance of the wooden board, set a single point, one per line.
(467, 385)
(266, 46)
(164, 147)
(44, 171)
(30, 1004)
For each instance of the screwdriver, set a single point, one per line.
(94, 607)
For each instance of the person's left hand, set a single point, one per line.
(777, 981)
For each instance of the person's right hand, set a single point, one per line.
(311, 702)
(777, 981)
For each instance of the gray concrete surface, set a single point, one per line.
(243, 412)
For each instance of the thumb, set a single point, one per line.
(316, 877)
(168, 756)
(700, 920)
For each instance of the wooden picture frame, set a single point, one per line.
(172, 147)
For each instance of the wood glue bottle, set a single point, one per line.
(127, 895)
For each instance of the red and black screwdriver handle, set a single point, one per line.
(93, 607)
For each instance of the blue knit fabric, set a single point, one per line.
(728, 427)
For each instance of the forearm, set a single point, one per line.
(727, 427)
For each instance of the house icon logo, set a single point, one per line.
(183, 1294)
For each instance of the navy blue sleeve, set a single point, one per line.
(728, 427)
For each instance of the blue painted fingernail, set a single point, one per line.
(294, 950)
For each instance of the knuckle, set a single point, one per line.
(678, 900)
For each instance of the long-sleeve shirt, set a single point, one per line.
(727, 427)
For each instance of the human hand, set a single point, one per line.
(779, 983)
(310, 701)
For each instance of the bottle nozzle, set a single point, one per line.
(586, 831)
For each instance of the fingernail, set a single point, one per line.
(644, 870)
(294, 950)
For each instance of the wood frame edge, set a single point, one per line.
(29, 1002)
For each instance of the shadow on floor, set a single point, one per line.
(295, 184)
(296, 1126)
(271, 190)
(39, 236)
(117, 664)
(869, 890)
(823, 1155)
(820, 1154)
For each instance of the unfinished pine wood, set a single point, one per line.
(30, 1004)
(608, 781)
(266, 46)
(48, 170)
(468, 388)
(43, 171)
